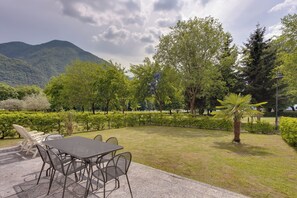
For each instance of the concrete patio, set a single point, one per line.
(19, 172)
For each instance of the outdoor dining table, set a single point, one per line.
(83, 149)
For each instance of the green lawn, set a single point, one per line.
(262, 166)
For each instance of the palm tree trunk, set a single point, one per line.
(236, 131)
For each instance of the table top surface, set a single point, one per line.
(82, 148)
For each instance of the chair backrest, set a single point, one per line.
(121, 161)
(54, 137)
(43, 154)
(56, 162)
(98, 137)
(20, 130)
(112, 140)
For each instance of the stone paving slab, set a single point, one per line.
(19, 172)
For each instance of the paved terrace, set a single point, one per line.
(19, 173)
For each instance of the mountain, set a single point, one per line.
(21, 63)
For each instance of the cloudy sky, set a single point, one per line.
(126, 31)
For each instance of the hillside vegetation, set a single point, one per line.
(21, 63)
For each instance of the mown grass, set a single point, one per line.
(262, 166)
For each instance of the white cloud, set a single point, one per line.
(167, 5)
(273, 31)
(128, 30)
(290, 5)
(150, 49)
(114, 35)
(167, 22)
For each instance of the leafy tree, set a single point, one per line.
(287, 54)
(25, 90)
(160, 83)
(258, 63)
(110, 85)
(7, 92)
(124, 93)
(236, 107)
(12, 104)
(193, 48)
(54, 91)
(229, 67)
(36, 102)
(79, 84)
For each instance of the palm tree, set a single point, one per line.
(236, 107)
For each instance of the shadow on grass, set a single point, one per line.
(182, 132)
(242, 149)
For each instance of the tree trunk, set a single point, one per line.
(236, 131)
(192, 105)
(259, 116)
(107, 106)
(292, 107)
(93, 108)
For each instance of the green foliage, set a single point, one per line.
(70, 121)
(193, 48)
(287, 54)
(259, 127)
(7, 92)
(45, 122)
(27, 90)
(159, 83)
(258, 63)
(110, 86)
(288, 128)
(98, 121)
(229, 67)
(236, 107)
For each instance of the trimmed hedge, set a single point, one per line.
(259, 127)
(58, 122)
(288, 128)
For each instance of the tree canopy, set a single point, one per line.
(193, 48)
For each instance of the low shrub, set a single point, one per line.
(259, 127)
(288, 128)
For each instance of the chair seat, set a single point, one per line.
(73, 166)
(110, 173)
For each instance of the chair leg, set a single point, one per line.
(129, 186)
(51, 181)
(40, 172)
(103, 189)
(64, 186)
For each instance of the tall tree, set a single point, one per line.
(79, 84)
(229, 67)
(193, 47)
(258, 63)
(158, 82)
(287, 55)
(54, 91)
(110, 86)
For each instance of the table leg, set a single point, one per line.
(89, 172)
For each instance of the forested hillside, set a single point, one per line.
(21, 63)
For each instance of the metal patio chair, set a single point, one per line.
(45, 159)
(116, 167)
(98, 137)
(65, 169)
